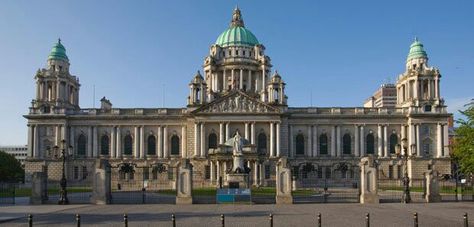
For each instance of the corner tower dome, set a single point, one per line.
(58, 52)
(237, 34)
(416, 50)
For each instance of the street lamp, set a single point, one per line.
(63, 200)
(406, 179)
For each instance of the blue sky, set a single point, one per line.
(340, 51)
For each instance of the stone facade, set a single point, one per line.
(237, 92)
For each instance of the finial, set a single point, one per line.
(237, 20)
(416, 38)
(59, 40)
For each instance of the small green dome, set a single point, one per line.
(236, 34)
(416, 50)
(58, 52)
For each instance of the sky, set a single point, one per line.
(144, 53)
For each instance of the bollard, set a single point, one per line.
(125, 220)
(30, 220)
(173, 220)
(222, 220)
(319, 220)
(270, 217)
(415, 219)
(367, 220)
(466, 222)
(78, 220)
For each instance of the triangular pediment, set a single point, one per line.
(237, 102)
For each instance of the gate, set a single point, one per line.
(7, 193)
(77, 174)
(326, 184)
(392, 190)
(132, 184)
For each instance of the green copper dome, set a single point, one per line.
(58, 52)
(416, 50)
(237, 34)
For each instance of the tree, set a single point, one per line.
(463, 146)
(10, 168)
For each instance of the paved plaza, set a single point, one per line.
(393, 214)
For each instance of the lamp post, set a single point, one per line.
(406, 198)
(63, 200)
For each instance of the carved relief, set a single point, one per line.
(237, 104)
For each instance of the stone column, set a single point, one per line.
(338, 140)
(159, 143)
(272, 151)
(246, 134)
(196, 139)
(309, 151)
(445, 152)
(213, 172)
(38, 188)
(224, 81)
(432, 187)
(283, 184)
(57, 138)
(255, 173)
(241, 79)
(333, 141)
(203, 152)
(183, 142)
(113, 152)
(249, 81)
(227, 131)
(411, 138)
(232, 79)
(119, 142)
(436, 88)
(439, 140)
(362, 141)
(184, 185)
(416, 90)
(101, 183)
(221, 133)
(356, 141)
(262, 178)
(418, 144)
(136, 143)
(96, 143)
(218, 171)
(89, 142)
(252, 133)
(30, 140)
(385, 141)
(142, 141)
(263, 78)
(379, 141)
(315, 141)
(278, 154)
(166, 151)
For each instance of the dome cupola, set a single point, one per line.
(416, 50)
(58, 52)
(237, 34)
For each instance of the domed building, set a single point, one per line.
(237, 92)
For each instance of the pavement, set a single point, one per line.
(344, 214)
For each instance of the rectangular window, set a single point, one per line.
(328, 172)
(84, 172)
(207, 172)
(76, 172)
(267, 171)
(146, 173)
(320, 172)
(390, 172)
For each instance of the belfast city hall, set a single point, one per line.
(236, 94)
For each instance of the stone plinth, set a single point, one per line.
(432, 187)
(101, 184)
(368, 181)
(184, 185)
(241, 178)
(284, 183)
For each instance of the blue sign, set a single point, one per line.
(233, 195)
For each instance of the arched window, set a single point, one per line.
(323, 144)
(393, 143)
(369, 140)
(81, 145)
(346, 144)
(128, 145)
(300, 144)
(427, 147)
(174, 145)
(262, 143)
(151, 145)
(212, 141)
(104, 145)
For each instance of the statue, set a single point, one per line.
(237, 146)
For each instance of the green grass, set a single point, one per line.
(444, 190)
(25, 192)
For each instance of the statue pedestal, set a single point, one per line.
(237, 180)
(238, 163)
